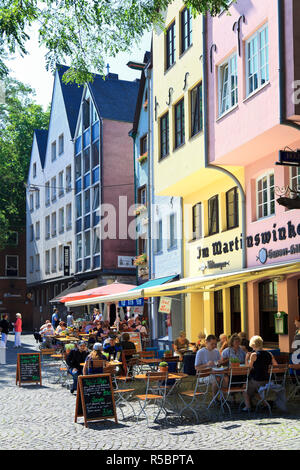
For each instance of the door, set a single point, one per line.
(219, 322)
(268, 306)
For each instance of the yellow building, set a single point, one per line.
(211, 202)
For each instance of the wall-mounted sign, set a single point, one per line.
(66, 261)
(165, 305)
(264, 255)
(126, 261)
(132, 303)
(288, 157)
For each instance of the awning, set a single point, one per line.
(77, 286)
(107, 289)
(199, 284)
(134, 293)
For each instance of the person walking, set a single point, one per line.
(18, 330)
(4, 328)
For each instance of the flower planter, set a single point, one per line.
(235, 364)
(163, 369)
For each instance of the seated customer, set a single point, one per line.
(208, 357)
(234, 350)
(259, 361)
(46, 335)
(181, 344)
(61, 327)
(223, 342)
(75, 358)
(95, 361)
(111, 347)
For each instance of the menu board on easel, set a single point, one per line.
(28, 368)
(95, 398)
(136, 339)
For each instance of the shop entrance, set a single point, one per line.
(219, 321)
(235, 304)
(268, 306)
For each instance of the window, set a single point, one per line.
(87, 244)
(86, 160)
(47, 193)
(265, 196)
(79, 246)
(257, 60)
(213, 215)
(53, 188)
(47, 262)
(31, 202)
(47, 227)
(232, 208)
(53, 224)
(60, 257)
(78, 206)
(143, 145)
(295, 178)
(186, 29)
(11, 265)
(228, 84)
(78, 166)
(164, 135)
(172, 241)
(31, 233)
(142, 245)
(196, 110)
(170, 46)
(69, 216)
(53, 151)
(37, 262)
(197, 221)
(61, 217)
(53, 260)
(31, 264)
(86, 114)
(158, 238)
(37, 198)
(95, 154)
(87, 202)
(61, 183)
(142, 195)
(61, 144)
(95, 197)
(34, 170)
(96, 242)
(179, 124)
(37, 231)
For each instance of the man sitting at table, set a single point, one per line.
(111, 347)
(209, 357)
(46, 334)
(75, 358)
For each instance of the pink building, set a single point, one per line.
(253, 62)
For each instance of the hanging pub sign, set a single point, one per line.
(66, 261)
(132, 303)
(165, 305)
(288, 157)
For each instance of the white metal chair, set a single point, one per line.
(197, 396)
(156, 390)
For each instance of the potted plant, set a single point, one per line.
(163, 367)
(234, 362)
(142, 158)
(168, 353)
(141, 260)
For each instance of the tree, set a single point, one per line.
(19, 116)
(84, 31)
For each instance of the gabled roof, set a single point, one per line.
(41, 139)
(115, 99)
(72, 94)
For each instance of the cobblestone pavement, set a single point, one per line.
(34, 417)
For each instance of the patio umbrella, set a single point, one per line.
(114, 288)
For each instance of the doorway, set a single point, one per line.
(235, 309)
(219, 321)
(268, 306)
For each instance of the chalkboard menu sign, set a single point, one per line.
(95, 398)
(28, 368)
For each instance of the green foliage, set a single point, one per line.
(83, 32)
(19, 116)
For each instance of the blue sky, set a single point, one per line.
(31, 69)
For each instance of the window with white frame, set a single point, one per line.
(47, 193)
(61, 220)
(158, 237)
(34, 170)
(69, 216)
(265, 195)
(68, 178)
(96, 241)
(61, 144)
(228, 84)
(53, 224)
(61, 183)
(37, 231)
(31, 264)
(37, 198)
(47, 227)
(31, 233)
(53, 151)
(172, 239)
(53, 188)
(31, 202)
(257, 60)
(37, 262)
(53, 260)
(60, 257)
(11, 265)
